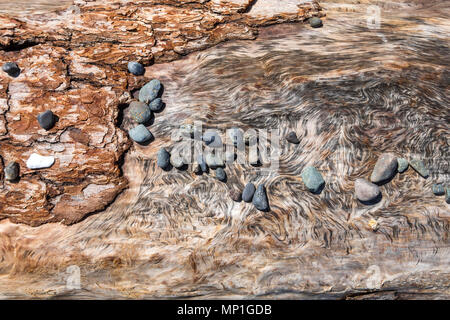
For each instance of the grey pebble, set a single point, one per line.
(156, 105)
(312, 179)
(292, 138)
(249, 191)
(163, 158)
(140, 112)
(221, 175)
(385, 168)
(140, 134)
(260, 200)
(402, 165)
(150, 91)
(46, 119)
(315, 22)
(136, 68)
(12, 171)
(366, 191)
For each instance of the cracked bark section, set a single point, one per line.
(74, 63)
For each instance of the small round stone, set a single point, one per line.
(402, 165)
(140, 134)
(312, 179)
(366, 191)
(46, 119)
(12, 171)
(249, 191)
(156, 105)
(150, 91)
(12, 69)
(315, 22)
(221, 175)
(260, 200)
(292, 138)
(236, 195)
(140, 112)
(163, 158)
(438, 189)
(176, 161)
(136, 68)
(420, 168)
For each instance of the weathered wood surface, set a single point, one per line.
(349, 92)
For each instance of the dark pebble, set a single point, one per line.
(140, 112)
(438, 189)
(236, 195)
(12, 69)
(315, 22)
(163, 158)
(156, 105)
(292, 138)
(249, 191)
(150, 91)
(46, 119)
(221, 175)
(12, 171)
(136, 68)
(260, 200)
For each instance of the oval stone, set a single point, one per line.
(156, 105)
(385, 168)
(136, 68)
(249, 191)
(150, 91)
(315, 22)
(140, 112)
(12, 69)
(163, 158)
(260, 200)
(140, 134)
(366, 191)
(221, 175)
(292, 138)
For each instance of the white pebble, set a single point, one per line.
(37, 161)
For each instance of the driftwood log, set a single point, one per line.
(131, 230)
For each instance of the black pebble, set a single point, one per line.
(12, 69)
(163, 159)
(292, 138)
(260, 200)
(249, 191)
(46, 119)
(315, 22)
(221, 175)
